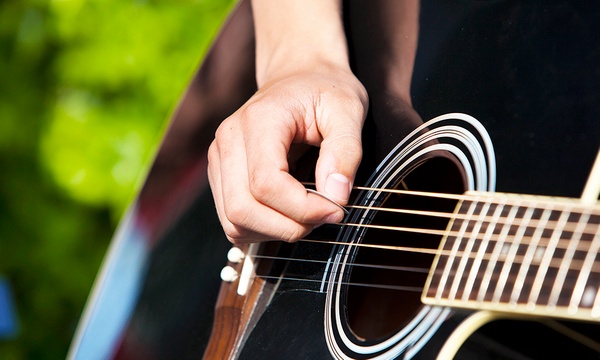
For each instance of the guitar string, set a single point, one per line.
(523, 240)
(527, 281)
(382, 267)
(512, 276)
(524, 200)
(589, 229)
(354, 265)
(575, 264)
(367, 285)
(571, 226)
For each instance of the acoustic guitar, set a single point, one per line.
(440, 254)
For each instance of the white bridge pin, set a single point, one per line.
(228, 274)
(235, 255)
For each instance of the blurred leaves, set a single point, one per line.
(86, 87)
(116, 53)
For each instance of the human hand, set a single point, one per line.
(256, 197)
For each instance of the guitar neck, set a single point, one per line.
(520, 254)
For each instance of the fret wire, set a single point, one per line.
(548, 256)
(529, 254)
(511, 255)
(596, 307)
(565, 265)
(496, 253)
(469, 246)
(453, 252)
(584, 274)
(481, 252)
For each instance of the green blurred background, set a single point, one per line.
(86, 89)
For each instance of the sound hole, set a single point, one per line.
(377, 312)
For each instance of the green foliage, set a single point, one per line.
(86, 87)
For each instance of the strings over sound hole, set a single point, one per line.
(386, 282)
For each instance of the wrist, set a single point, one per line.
(292, 36)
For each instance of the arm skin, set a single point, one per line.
(307, 95)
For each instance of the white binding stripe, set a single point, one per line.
(416, 334)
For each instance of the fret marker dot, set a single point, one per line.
(588, 296)
(539, 253)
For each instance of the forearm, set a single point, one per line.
(384, 44)
(293, 35)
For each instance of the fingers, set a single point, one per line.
(243, 213)
(256, 197)
(270, 183)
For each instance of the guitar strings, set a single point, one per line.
(424, 271)
(487, 198)
(589, 229)
(574, 264)
(382, 267)
(512, 276)
(524, 240)
(485, 219)
(518, 259)
(550, 203)
(416, 289)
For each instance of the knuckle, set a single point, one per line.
(222, 131)
(260, 186)
(292, 235)
(237, 214)
(235, 234)
(235, 239)
(213, 153)
(253, 110)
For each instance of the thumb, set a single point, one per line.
(339, 158)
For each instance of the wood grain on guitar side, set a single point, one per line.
(234, 314)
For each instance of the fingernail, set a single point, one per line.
(334, 218)
(338, 187)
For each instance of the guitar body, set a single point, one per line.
(527, 73)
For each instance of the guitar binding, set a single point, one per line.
(440, 156)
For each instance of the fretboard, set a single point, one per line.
(520, 254)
